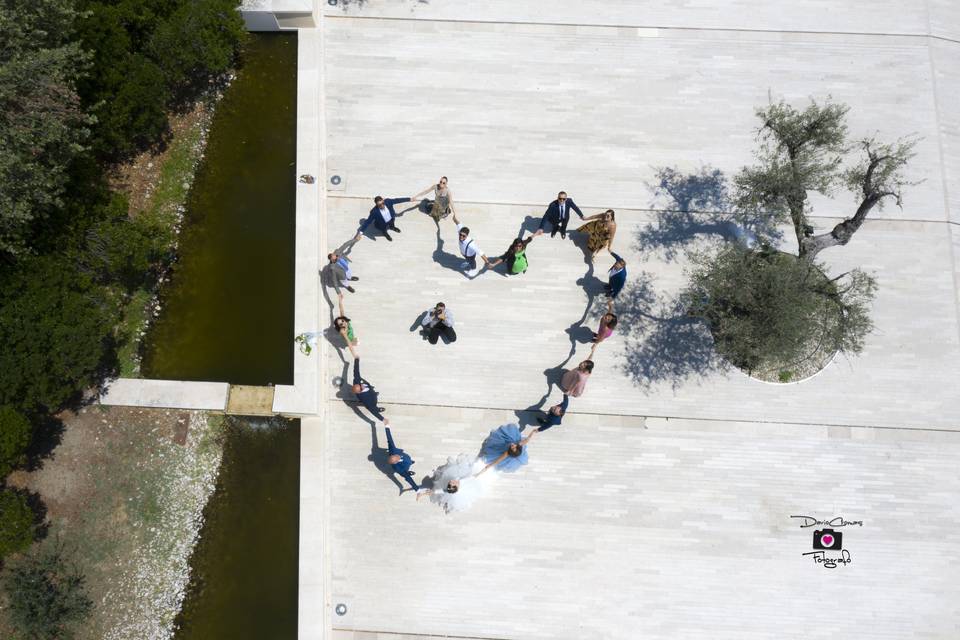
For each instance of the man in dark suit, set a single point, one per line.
(382, 216)
(558, 215)
(400, 461)
(365, 392)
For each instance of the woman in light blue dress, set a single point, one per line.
(505, 449)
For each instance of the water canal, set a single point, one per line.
(228, 312)
(243, 573)
(228, 316)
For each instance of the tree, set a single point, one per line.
(42, 124)
(766, 308)
(122, 250)
(47, 597)
(126, 91)
(198, 41)
(804, 151)
(14, 439)
(16, 522)
(55, 328)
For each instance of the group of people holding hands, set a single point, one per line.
(457, 483)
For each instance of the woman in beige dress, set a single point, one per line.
(600, 231)
(442, 199)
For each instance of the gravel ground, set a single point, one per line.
(125, 492)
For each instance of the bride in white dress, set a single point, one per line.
(456, 484)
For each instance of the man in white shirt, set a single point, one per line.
(468, 248)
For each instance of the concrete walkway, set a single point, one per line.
(662, 507)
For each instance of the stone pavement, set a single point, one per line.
(661, 508)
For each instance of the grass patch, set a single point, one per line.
(176, 167)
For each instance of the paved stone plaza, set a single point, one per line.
(661, 508)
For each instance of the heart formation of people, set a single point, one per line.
(458, 483)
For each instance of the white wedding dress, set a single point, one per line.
(460, 468)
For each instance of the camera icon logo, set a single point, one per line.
(827, 539)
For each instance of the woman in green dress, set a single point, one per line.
(515, 257)
(600, 231)
(344, 328)
(442, 200)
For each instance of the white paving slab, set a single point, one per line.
(166, 394)
(514, 112)
(851, 16)
(675, 529)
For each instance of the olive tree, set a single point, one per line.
(773, 310)
(805, 151)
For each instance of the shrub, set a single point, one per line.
(14, 439)
(55, 328)
(46, 596)
(197, 41)
(16, 522)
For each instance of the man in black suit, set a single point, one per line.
(558, 215)
(365, 392)
(382, 216)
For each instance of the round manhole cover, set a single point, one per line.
(335, 180)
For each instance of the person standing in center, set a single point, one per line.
(558, 215)
(439, 321)
(382, 216)
(442, 200)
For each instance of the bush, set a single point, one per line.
(766, 308)
(198, 41)
(14, 439)
(47, 597)
(132, 115)
(55, 328)
(122, 250)
(16, 522)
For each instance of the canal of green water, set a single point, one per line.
(228, 312)
(228, 316)
(243, 580)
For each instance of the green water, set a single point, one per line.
(228, 313)
(243, 582)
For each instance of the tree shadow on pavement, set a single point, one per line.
(662, 343)
(695, 205)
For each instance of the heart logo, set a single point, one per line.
(827, 540)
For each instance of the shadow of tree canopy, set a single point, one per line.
(698, 204)
(661, 341)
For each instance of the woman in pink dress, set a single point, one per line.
(608, 322)
(575, 381)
